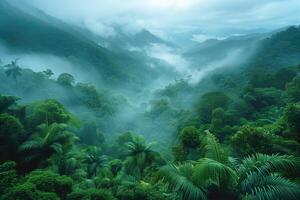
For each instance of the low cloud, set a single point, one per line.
(201, 38)
(169, 16)
(168, 55)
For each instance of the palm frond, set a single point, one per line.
(32, 144)
(275, 188)
(178, 179)
(266, 164)
(58, 148)
(208, 170)
(256, 180)
(211, 148)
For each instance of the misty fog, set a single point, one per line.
(149, 99)
(167, 59)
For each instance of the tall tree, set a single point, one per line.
(13, 70)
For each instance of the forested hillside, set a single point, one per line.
(233, 134)
(26, 33)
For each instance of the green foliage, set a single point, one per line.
(100, 194)
(48, 112)
(211, 148)
(67, 165)
(48, 181)
(292, 90)
(91, 194)
(8, 176)
(158, 108)
(259, 177)
(66, 79)
(28, 191)
(260, 78)
(115, 166)
(190, 137)
(48, 73)
(249, 140)
(270, 187)
(266, 164)
(11, 135)
(124, 138)
(98, 102)
(218, 122)
(283, 76)
(259, 98)
(43, 185)
(210, 101)
(90, 135)
(179, 152)
(292, 120)
(209, 171)
(261, 116)
(13, 70)
(6, 102)
(49, 140)
(139, 156)
(95, 159)
(180, 180)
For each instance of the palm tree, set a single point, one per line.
(256, 177)
(50, 140)
(48, 73)
(95, 160)
(261, 177)
(13, 70)
(139, 156)
(66, 164)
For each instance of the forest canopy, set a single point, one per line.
(108, 113)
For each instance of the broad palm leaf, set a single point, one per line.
(266, 164)
(139, 156)
(95, 160)
(209, 171)
(49, 140)
(179, 178)
(211, 148)
(260, 177)
(270, 187)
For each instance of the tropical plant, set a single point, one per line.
(261, 177)
(48, 73)
(66, 79)
(48, 112)
(13, 70)
(217, 176)
(139, 156)
(49, 140)
(95, 160)
(11, 135)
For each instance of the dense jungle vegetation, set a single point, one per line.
(242, 144)
(118, 135)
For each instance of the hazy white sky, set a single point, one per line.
(169, 16)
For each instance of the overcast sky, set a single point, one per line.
(166, 17)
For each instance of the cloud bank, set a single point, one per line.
(164, 17)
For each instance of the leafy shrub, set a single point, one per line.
(190, 137)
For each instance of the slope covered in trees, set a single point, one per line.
(229, 145)
(26, 33)
(235, 135)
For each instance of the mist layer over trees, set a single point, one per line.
(101, 107)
